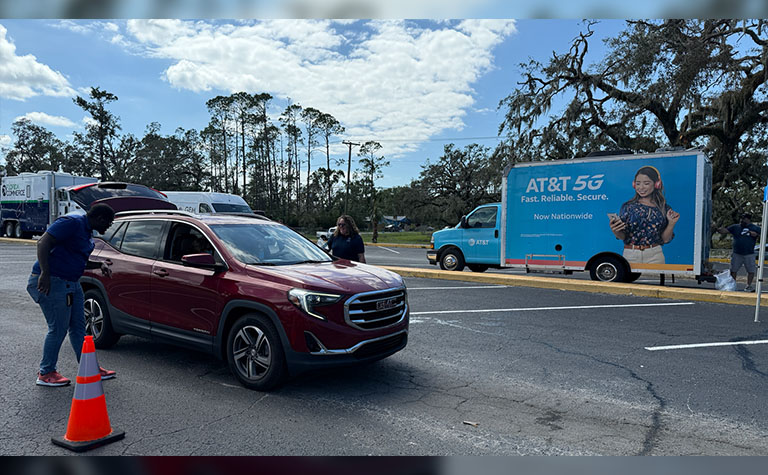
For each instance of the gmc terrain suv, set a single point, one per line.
(246, 289)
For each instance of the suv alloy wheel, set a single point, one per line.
(255, 354)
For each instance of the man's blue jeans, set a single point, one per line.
(61, 317)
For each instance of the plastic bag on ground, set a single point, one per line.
(725, 281)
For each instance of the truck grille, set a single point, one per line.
(374, 310)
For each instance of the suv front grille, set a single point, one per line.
(374, 310)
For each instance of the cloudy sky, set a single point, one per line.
(414, 86)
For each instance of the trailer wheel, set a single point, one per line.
(8, 228)
(608, 269)
(17, 233)
(451, 259)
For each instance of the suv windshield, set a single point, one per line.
(268, 244)
(230, 208)
(86, 195)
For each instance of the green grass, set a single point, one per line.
(404, 237)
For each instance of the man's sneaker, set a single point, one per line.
(749, 288)
(51, 379)
(106, 373)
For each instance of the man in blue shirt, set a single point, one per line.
(62, 257)
(745, 235)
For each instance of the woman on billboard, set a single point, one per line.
(646, 221)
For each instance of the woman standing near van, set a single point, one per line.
(346, 242)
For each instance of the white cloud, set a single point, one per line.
(384, 80)
(88, 120)
(22, 77)
(46, 119)
(5, 140)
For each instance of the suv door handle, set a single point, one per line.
(496, 233)
(160, 272)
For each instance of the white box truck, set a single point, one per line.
(558, 215)
(30, 202)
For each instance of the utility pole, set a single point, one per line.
(349, 171)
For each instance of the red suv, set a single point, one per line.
(246, 289)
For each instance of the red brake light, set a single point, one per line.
(83, 186)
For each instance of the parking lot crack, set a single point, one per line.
(743, 352)
(202, 426)
(654, 430)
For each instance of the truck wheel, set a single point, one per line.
(477, 267)
(608, 269)
(8, 228)
(255, 354)
(451, 259)
(97, 321)
(17, 231)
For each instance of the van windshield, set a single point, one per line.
(231, 208)
(268, 244)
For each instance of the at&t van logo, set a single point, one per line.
(479, 242)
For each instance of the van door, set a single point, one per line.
(480, 240)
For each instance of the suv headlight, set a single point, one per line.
(308, 300)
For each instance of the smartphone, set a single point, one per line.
(613, 216)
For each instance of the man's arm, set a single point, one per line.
(44, 246)
(723, 230)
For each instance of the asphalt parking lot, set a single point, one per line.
(489, 370)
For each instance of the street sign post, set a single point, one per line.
(761, 255)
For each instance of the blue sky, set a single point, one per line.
(412, 85)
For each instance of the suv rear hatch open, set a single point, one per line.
(119, 196)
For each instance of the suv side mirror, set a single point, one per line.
(202, 261)
(463, 222)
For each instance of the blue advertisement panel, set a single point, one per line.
(564, 211)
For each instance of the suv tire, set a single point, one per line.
(255, 354)
(97, 320)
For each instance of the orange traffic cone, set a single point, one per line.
(88, 425)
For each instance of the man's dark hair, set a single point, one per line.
(747, 215)
(101, 210)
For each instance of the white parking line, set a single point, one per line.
(704, 345)
(528, 309)
(457, 288)
(388, 249)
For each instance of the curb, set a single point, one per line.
(384, 244)
(701, 295)
(21, 241)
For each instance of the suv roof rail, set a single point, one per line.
(154, 211)
(246, 215)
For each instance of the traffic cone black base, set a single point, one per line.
(88, 425)
(88, 445)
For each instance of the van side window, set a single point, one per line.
(482, 218)
(204, 208)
